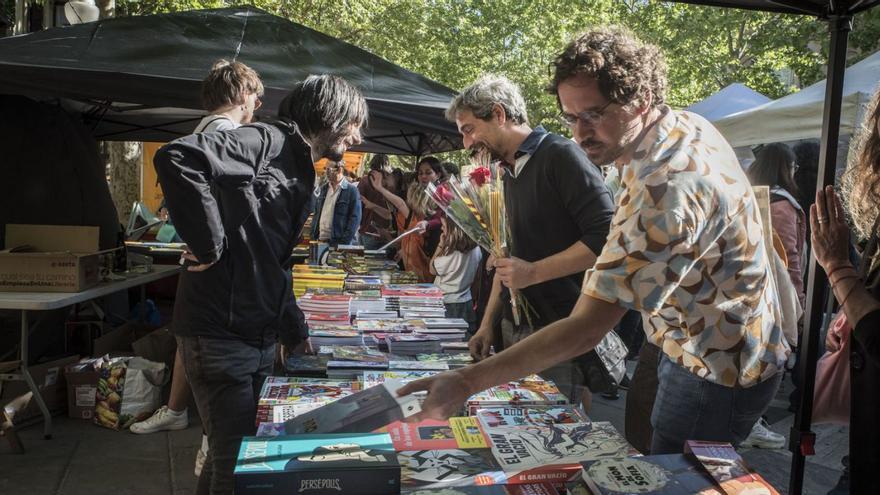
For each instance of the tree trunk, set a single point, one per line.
(124, 160)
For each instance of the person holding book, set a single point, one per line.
(240, 199)
(558, 212)
(231, 94)
(455, 263)
(686, 249)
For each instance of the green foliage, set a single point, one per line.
(455, 41)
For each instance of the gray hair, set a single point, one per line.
(486, 92)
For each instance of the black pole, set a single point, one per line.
(802, 439)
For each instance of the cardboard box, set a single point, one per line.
(49, 378)
(49, 258)
(82, 383)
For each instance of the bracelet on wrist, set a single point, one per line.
(842, 278)
(838, 267)
(848, 293)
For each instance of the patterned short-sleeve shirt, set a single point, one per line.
(686, 249)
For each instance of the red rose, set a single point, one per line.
(480, 176)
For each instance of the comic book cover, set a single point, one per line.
(358, 353)
(528, 391)
(672, 474)
(373, 378)
(728, 468)
(492, 417)
(448, 468)
(429, 434)
(418, 365)
(552, 453)
(300, 390)
(353, 463)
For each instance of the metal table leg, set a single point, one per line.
(26, 374)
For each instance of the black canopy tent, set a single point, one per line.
(138, 78)
(838, 14)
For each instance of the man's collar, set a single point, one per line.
(530, 145)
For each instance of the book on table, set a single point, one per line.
(352, 463)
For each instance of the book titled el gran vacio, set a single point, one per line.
(350, 463)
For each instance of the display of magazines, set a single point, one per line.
(529, 391)
(352, 463)
(492, 417)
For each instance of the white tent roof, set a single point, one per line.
(734, 98)
(799, 115)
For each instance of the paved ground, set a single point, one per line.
(84, 459)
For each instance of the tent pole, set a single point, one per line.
(801, 438)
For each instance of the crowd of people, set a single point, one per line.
(642, 221)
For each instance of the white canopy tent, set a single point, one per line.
(734, 98)
(799, 115)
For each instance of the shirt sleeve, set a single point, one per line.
(583, 192)
(648, 255)
(188, 168)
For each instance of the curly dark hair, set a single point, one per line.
(626, 69)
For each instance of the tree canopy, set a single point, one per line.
(455, 41)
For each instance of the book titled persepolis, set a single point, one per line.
(355, 464)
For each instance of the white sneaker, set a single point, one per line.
(162, 419)
(761, 437)
(201, 455)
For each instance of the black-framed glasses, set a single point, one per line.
(589, 117)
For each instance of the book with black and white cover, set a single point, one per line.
(553, 453)
(492, 417)
(670, 474)
(366, 410)
(352, 463)
(420, 469)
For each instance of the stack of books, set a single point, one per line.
(282, 398)
(307, 277)
(529, 391)
(388, 325)
(456, 360)
(359, 283)
(412, 344)
(454, 347)
(337, 305)
(320, 335)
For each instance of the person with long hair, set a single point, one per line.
(455, 264)
(857, 290)
(408, 214)
(774, 167)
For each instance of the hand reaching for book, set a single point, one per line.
(447, 393)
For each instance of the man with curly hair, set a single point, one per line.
(686, 249)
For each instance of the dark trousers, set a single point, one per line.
(226, 377)
(640, 399)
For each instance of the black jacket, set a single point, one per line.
(864, 430)
(240, 199)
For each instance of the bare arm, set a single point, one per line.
(517, 274)
(565, 339)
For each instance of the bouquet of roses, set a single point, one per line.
(476, 205)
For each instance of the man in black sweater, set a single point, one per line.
(558, 210)
(240, 198)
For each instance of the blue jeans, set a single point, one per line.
(226, 377)
(688, 407)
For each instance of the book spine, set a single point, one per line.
(379, 481)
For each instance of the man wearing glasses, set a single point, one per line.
(685, 249)
(559, 211)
